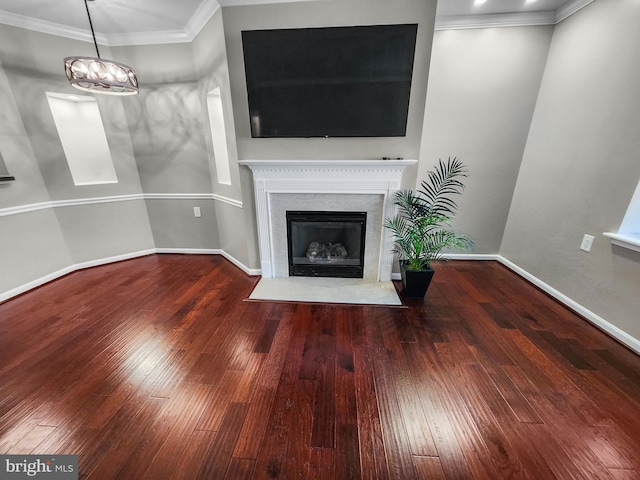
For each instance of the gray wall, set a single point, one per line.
(210, 52)
(35, 244)
(17, 153)
(580, 166)
(174, 225)
(165, 119)
(480, 99)
(168, 125)
(105, 230)
(32, 244)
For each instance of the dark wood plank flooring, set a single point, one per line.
(158, 368)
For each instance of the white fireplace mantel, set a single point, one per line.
(325, 177)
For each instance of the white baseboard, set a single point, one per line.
(620, 335)
(70, 269)
(212, 251)
(4, 296)
(14, 292)
(601, 323)
(190, 251)
(458, 256)
(117, 258)
(471, 256)
(237, 263)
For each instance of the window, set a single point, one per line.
(219, 136)
(628, 234)
(631, 222)
(84, 141)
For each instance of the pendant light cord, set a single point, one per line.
(91, 25)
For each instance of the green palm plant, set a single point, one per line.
(421, 229)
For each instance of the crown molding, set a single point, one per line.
(203, 14)
(205, 11)
(209, 7)
(237, 3)
(524, 19)
(460, 22)
(570, 9)
(147, 38)
(42, 26)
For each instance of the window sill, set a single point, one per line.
(630, 241)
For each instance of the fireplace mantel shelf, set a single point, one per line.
(329, 163)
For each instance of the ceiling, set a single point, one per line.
(126, 22)
(467, 7)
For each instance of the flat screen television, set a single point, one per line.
(329, 82)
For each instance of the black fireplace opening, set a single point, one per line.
(326, 244)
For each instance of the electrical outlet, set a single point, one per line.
(587, 242)
(196, 212)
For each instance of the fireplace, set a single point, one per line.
(326, 244)
(332, 185)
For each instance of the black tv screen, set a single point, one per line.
(329, 82)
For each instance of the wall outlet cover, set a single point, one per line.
(587, 242)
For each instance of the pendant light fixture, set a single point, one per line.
(97, 75)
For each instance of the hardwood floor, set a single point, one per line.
(156, 368)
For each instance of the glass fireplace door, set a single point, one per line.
(326, 244)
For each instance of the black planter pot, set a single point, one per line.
(415, 282)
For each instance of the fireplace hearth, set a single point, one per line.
(326, 243)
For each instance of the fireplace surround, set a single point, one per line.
(325, 185)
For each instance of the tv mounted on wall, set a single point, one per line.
(329, 82)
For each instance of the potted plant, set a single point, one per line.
(422, 227)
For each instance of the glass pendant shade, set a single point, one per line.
(98, 75)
